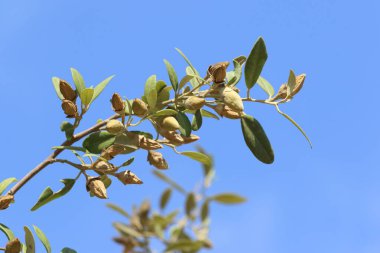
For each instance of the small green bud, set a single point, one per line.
(115, 127)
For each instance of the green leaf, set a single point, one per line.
(205, 210)
(228, 198)
(194, 81)
(256, 139)
(165, 112)
(56, 82)
(165, 197)
(266, 86)
(5, 183)
(185, 80)
(190, 204)
(172, 75)
(291, 82)
(29, 240)
(126, 230)
(235, 75)
(209, 114)
(196, 123)
(163, 95)
(7, 231)
(101, 86)
(86, 96)
(48, 195)
(119, 210)
(130, 142)
(169, 181)
(96, 142)
(184, 123)
(78, 80)
(127, 163)
(255, 63)
(68, 250)
(70, 148)
(197, 156)
(184, 246)
(188, 61)
(150, 91)
(44, 240)
(68, 128)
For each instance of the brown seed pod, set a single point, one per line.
(118, 104)
(115, 127)
(97, 187)
(128, 177)
(231, 98)
(112, 151)
(157, 160)
(102, 166)
(190, 139)
(67, 92)
(13, 246)
(70, 109)
(148, 144)
(281, 94)
(172, 136)
(194, 103)
(217, 72)
(300, 79)
(170, 123)
(5, 201)
(139, 107)
(225, 111)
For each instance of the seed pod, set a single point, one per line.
(5, 201)
(194, 103)
(225, 111)
(157, 160)
(300, 79)
(139, 107)
(190, 139)
(231, 99)
(97, 187)
(101, 166)
(115, 127)
(70, 109)
(217, 72)
(128, 177)
(172, 136)
(118, 104)
(170, 123)
(112, 151)
(148, 144)
(281, 94)
(67, 92)
(13, 246)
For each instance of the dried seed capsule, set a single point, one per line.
(225, 111)
(170, 123)
(281, 94)
(157, 160)
(115, 127)
(112, 151)
(128, 177)
(5, 201)
(172, 136)
(217, 72)
(300, 79)
(231, 99)
(190, 139)
(100, 165)
(97, 187)
(139, 107)
(70, 109)
(148, 144)
(118, 104)
(194, 103)
(13, 246)
(67, 92)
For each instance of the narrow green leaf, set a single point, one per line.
(78, 80)
(256, 139)
(205, 210)
(255, 63)
(184, 246)
(5, 183)
(150, 91)
(68, 128)
(291, 82)
(165, 197)
(126, 230)
(128, 162)
(266, 86)
(44, 240)
(7, 231)
(190, 204)
(119, 210)
(29, 240)
(209, 114)
(197, 156)
(48, 195)
(188, 61)
(96, 142)
(194, 81)
(163, 95)
(228, 198)
(185, 80)
(236, 74)
(56, 81)
(172, 75)
(68, 250)
(86, 96)
(169, 181)
(165, 112)
(184, 123)
(70, 148)
(196, 123)
(101, 86)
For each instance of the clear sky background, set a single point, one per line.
(320, 200)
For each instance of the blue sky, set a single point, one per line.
(319, 200)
